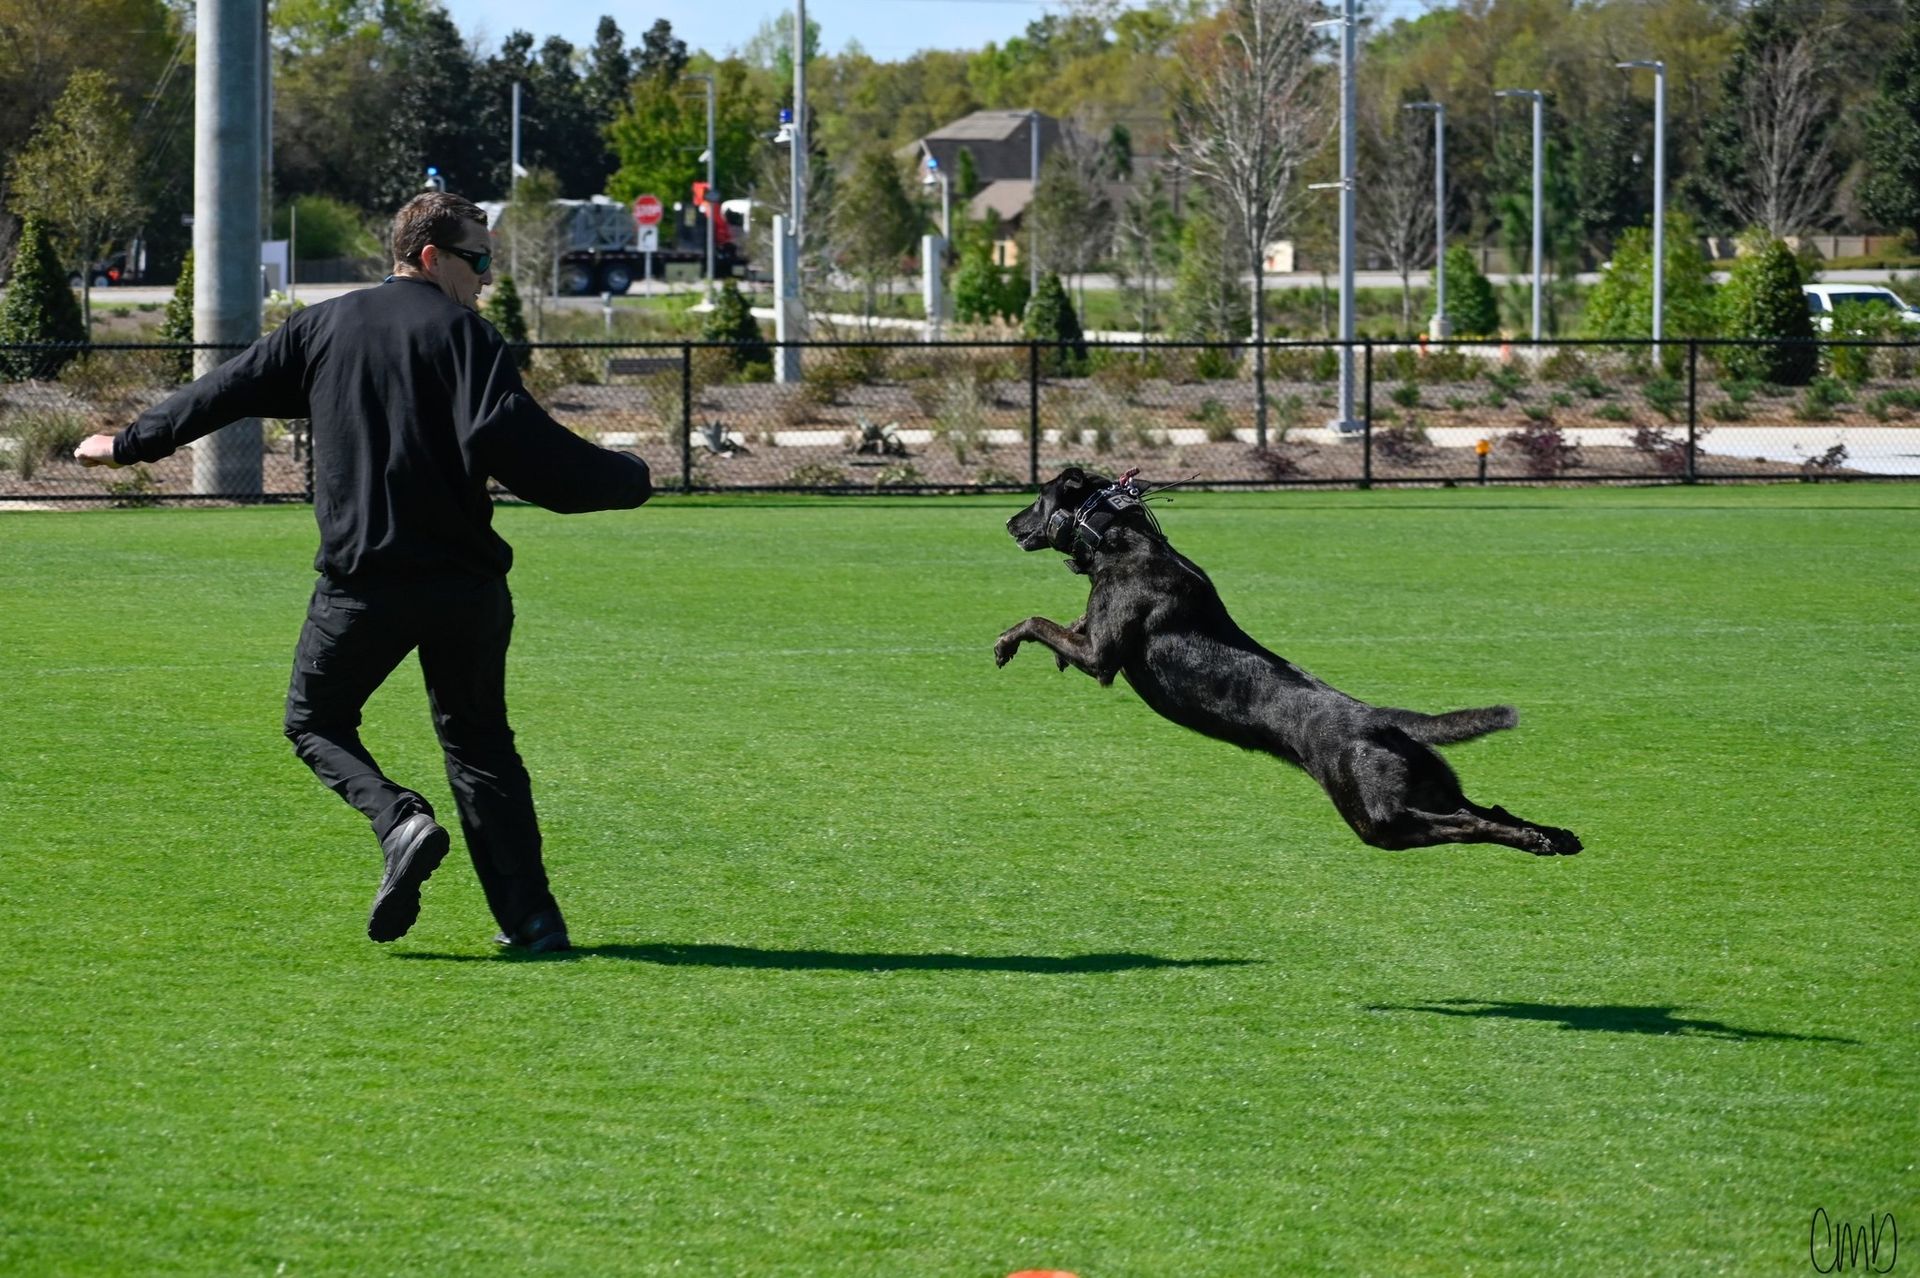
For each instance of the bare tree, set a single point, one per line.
(1396, 218)
(1071, 217)
(1251, 112)
(1787, 118)
(531, 230)
(1143, 246)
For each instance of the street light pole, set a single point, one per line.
(513, 190)
(710, 206)
(799, 157)
(1659, 70)
(1440, 329)
(1539, 183)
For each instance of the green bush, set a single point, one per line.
(977, 286)
(731, 320)
(1050, 318)
(504, 312)
(1763, 303)
(1621, 304)
(1472, 309)
(327, 228)
(1858, 322)
(178, 325)
(39, 307)
(1665, 397)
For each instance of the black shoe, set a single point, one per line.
(414, 850)
(544, 932)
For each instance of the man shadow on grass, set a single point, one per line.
(1612, 1018)
(669, 955)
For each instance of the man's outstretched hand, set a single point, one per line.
(95, 450)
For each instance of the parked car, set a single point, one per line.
(1823, 298)
(108, 273)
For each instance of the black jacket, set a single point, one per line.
(415, 402)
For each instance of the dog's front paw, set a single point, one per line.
(1565, 842)
(1004, 647)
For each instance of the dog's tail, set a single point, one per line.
(1456, 725)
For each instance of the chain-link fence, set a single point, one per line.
(947, 416)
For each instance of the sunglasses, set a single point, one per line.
(479, 261)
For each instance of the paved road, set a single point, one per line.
(1094, 283)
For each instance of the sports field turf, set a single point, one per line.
(893, 963)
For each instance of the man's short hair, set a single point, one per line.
(431, 217)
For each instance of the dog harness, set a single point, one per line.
(1086, 528)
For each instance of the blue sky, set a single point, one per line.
(889, 30)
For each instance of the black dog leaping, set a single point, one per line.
(1155, 617)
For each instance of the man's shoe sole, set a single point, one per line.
(397, 904)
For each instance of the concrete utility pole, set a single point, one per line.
(1539, 189)
(266, 128)
(1659, 70)
(226, 222)
(1349, 23)
(1441, 328)
(789, 307)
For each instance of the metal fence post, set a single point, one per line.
(1366, 417)
(686, 417)
(1692, 475)
(1033, 413)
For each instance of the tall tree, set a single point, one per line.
(661, 52)
(1209, 302)
(659, 133)
(566, 139)
(1396, 218)
(609, 76)
(74, 176)
(1145, 239)
(1770, 153)
(1610, 194)
(42, 44)
(876, 222)
(1890, 192)
(1251, 112)
(530, 234)
(433, 121)
(1069, 223)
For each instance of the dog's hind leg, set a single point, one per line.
(1473, 824)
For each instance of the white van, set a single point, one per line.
(1822, 298)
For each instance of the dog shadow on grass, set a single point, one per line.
(1608, 1018)
(838, 961)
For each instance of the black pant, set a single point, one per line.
(354, 637)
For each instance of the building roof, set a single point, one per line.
(995, 126)
(1007, 199)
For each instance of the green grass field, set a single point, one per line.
(893, 963)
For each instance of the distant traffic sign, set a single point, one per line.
(646, 210)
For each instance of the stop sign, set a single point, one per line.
(646, 210)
